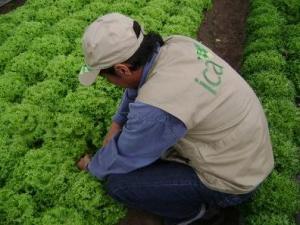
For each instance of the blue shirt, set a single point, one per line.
(148, 132)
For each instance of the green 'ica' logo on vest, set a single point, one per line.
(211, 76)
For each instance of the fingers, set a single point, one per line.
(83, 162)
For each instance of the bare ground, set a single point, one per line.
(11, 6)
(223, 30)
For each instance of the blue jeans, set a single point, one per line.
(169, 189)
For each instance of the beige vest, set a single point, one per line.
(227, 142)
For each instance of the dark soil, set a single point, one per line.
(298, 101)
(297, 219)
(11, 6)
(223, 31)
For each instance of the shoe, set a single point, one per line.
(189, 221)
(222, 216)
(197, 217)
(213, 216)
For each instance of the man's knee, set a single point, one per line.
(116, 187)
(123, 188)
(112, 185)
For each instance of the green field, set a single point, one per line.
(48, 120)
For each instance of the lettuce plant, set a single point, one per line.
(277, 188)
(16, 208)
(86, 195)
(262, 45)
(272, 84)
(59, 215)
(14, 45)
(263, 20)
(263, 61)
(30, 65)
(294, 73)
(70, 6)
(281, 114)
(64, 69)
(6, 30)
(50, 14)
(50, 46)
(92, 11)
(71, 126)
(12, 86)
(47, 94)
(91, 102)
(11, 151)
(26, 121)
(274, 32)
(70, 28)
(42, 179)
(287, 158)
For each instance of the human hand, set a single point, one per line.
(83, 162)
(114, 129)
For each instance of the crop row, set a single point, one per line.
(291, 36)
(268, 59)
(48, 121)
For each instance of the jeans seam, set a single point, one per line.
(151, 185)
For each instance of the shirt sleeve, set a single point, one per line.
(128, 97)
(147, 134)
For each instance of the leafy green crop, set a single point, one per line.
(264, 20)
(19, 42)
(30, 65)
(47, 94)
(270, 64)
(50, 14)
(293, 47)
(262, 45)
(16, 208)
(293, 71)
(272, 84)
(61, 216)
(70, 28)
(290, 9)
(12, 86)
(287, 158)
(281, 115)
(63, 69)
(263, 61)
(274, 32)
(267, 198)
(26, 121)
(11, 151)
(50, 46)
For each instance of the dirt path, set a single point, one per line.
(223, 30)
(11, 6)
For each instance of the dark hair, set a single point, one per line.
(146, 49)
(144, 52)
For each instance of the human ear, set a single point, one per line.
(122, 70)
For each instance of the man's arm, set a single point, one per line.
(120, 118)
(147, 134)
(113, 130)
(128, 97)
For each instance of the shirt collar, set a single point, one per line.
(148, 66)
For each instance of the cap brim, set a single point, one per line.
(88, 78)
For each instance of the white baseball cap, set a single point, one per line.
(109, 40)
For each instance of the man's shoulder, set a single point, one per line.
(178, 38)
